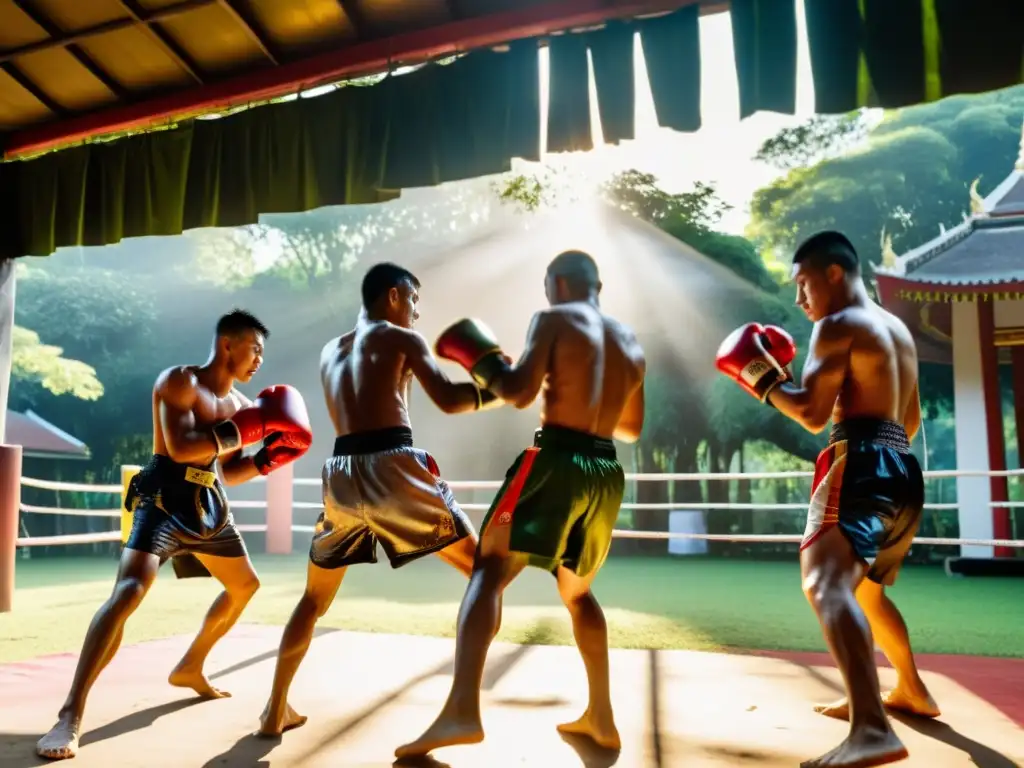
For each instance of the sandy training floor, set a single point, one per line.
(367, 693)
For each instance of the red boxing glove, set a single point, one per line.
(244, 428)
(278, 409)
(779, 345)
(472, 345)
(287, 426)
(744, 357)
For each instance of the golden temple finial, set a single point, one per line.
(888, 254)
(977, 203)
(1020, 158)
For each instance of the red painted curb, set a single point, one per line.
(998, 681)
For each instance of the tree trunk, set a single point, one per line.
(650, 492)
(793, 439)
(743, 496)
(719, 520)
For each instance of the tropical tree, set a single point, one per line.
(44, 364)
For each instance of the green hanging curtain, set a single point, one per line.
(671, 46)
(611, 50)
(834, 35)
(443, 123)
(764, 43)
(868, 53)
(896, 54)
(569, 95)
(462, 120)
(284, 157)
(981, 44)
(894, 49)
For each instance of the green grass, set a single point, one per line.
(693, 603)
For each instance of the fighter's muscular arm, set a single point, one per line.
(238, 469)
(810, 404)
(178, 392)
(631, 422)
(520, 384)
(447, 395)
(912, 418)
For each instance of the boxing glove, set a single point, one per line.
(277, 409)
(487, 400)
(744, 357)
(276, 452)
(472, 345)
(779, 344)
(244, 428)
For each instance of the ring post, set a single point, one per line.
(280, 483)
(128, 471)
(10, 509)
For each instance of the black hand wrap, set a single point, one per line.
(488, 369)
(487, 400)
(227, 437)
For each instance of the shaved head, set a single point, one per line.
(572, 276)
(576, 267)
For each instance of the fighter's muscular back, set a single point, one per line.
(184, 410)
(882, 376)
(366, 378)
(594, 368)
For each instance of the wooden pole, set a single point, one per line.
(280, 489)
(10, 509)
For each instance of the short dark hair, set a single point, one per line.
(381, 278)
(824, 249)
(577, 267)
(239, 321)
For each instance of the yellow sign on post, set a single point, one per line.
(128, 471)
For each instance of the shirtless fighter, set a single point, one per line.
(179, 506)
(561, 497)
(377, 487)
(868, 491)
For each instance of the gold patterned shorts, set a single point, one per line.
(379, 488)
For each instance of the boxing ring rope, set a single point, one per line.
(492, 485)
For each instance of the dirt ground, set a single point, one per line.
(367, 693)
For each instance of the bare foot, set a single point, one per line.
(894, 700)
(447, 731)
(601, 730)
(862, 750)
(183, 677)
(61, 743)
(274, 723)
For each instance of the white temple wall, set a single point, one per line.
(973, 493)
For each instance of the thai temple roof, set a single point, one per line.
(987, 249)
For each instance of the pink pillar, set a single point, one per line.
(279, 510)
(10, 509)
(1017, 356)
(1000, 491)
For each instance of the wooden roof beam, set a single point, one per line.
(51, 28)
(355, 18)
(151, 26)
(115, 25)
(30, 85)
(353, 60)
(456, 9)
(252, 28)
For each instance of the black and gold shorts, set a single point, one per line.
(179, 510)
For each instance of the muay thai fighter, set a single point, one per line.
(180, 509)
(868, 493)
(561, 497)
(377, 487)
